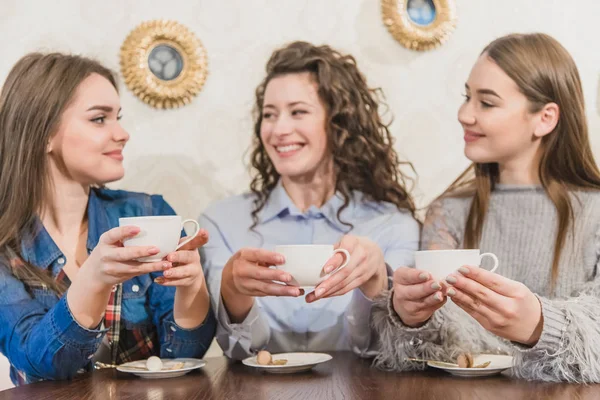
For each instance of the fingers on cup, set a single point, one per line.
(116, 235)
(183, 256)
(133, 253)
(410, 276)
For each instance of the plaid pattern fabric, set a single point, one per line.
(125, 345)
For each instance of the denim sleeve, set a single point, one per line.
(176, 341)
(43, 343)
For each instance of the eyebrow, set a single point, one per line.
(292, 104)
(107, 109)
(485, 91)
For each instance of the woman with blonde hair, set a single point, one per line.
(531, 197)
(324, 172)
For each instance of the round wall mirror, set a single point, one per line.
(419, 24)
(163, 63)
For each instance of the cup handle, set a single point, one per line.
(191, 236)
(496, 262)
(346, 261)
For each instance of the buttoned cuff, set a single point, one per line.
(70, 332)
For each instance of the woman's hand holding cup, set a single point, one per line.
(416, 296)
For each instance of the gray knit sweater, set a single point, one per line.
(520, 228)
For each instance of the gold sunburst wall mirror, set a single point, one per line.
(419, 24)
(163, 63)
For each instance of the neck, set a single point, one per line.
(521, 171)
(66, 211)
(310, 190)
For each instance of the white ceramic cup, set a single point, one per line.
(162, 231)
(305, 263)
(441, 263)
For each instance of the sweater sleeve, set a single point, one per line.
(443, 226)
(569, 347)
(448, 333)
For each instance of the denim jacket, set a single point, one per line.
(38, 333)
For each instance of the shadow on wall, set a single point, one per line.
(189, 187)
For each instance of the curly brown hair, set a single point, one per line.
(361, 144)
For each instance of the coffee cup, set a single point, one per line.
(305, 263)
(441, 263)
(162, 231)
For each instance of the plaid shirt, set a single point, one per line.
(41, 338)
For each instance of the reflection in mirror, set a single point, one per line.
(165, 62)
(421, 12)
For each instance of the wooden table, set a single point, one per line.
(344, 377)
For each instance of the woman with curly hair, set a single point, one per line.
(324, 172)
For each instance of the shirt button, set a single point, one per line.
(61, 260)
(90, 356)
(81, 371)
(135, 288)
(169, 350)
(173, 329)
(98, 336)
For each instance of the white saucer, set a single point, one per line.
(189, 364)
(498, 364)
(297, 362)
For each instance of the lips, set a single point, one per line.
(288, 149)
(471, 136)
(116, 155)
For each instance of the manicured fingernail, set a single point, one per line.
(328, 269)
(450, 279)
(319, 292)
(423, 276)
(159, 280)
(301, 292)
(463, 270)
(286, 278)
(451, 292)
(438, 296)
(168, 273)
(436, 286)
(280, 259)
(166, 265)
(153, 250)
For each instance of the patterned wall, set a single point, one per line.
(193, 155)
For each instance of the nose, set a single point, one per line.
(283, 125)
(466, 116)
(120, 134)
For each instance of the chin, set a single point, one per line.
(478, 155)
(109, 176)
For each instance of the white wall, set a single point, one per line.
(194, 155)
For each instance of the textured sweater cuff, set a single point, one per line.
(555, 326)
(432, 323)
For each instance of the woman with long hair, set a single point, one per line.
(531, 197)
(71, 293)
(324, 172)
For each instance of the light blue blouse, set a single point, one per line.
(285, 324)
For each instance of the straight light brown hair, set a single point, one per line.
(34, 96)
(545, 73)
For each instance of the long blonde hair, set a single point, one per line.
(545, 73)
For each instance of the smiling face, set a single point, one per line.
(293, 129)
(496, 118)
(88, 144)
